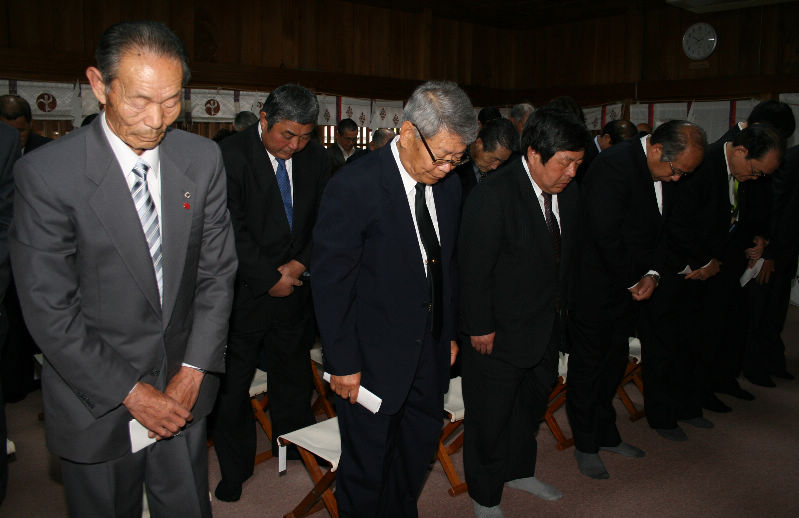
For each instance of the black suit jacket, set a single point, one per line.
(336, 157)
(35, 141)
(369, 285)
(699, 227)
(509, 278)
(622, 229)
(264, 240)
(591, 153)
(468, 181)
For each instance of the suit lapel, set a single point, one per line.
(532, 207)
(113, 205)
(265, 177)
(175, 223)
(400, 211)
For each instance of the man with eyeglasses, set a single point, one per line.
(276, 174)
(344, 147)
(517, 250)
(495, 143)
(384, 294)
(626, 197)
(719, 228)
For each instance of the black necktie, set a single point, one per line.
(482, 177)
(433, 249)
(552, 225)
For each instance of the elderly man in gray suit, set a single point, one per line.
(124, 259)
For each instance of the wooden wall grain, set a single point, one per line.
(338, 47)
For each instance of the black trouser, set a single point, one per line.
(670, 344)
(599, 355)
(384, 458)
(505, 404)
(725, 320)
(283, 328)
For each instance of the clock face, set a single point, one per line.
(699, 41)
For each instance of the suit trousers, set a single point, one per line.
(670, 348)
(598, 359)
(174, 472)
(725, 320)
(505, 405)
(283, 328)
(385, 458)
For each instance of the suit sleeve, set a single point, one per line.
(44, 254)
(478, 250)
(251, 258)
(216, 271)
(304, 255)
(338, 242)
(9, 150)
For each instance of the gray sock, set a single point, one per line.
(672, 434)
(590, 465)
(487, 512)
(535, 487)
(624, 449)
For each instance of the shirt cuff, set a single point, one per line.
(193, 367)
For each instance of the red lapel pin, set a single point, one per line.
(186, 206)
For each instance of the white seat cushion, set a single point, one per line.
(258, 385)
(453, 400)
(321, 439)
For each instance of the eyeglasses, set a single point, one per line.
(440, 161)
(677, 172)
(755, 172)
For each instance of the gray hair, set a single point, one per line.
(382, 135)
(293, 103)
(676, 136)
(244, 119)
(521, 111)
(146, 36)
(442, 106)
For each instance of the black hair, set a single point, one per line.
(549, 130)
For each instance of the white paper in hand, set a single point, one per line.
(752, 272)
(366, 399)
(139, 436)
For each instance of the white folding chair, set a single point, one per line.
(632, 375)
(454, 407)
(323, 440)
(259, 400)
(557, 398)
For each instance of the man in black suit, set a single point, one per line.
(17, 360)
(519, 114)
(625, 201)
(124, 257)
(16, 112)
(740, 209)
(380, 137)
(9, 150)
(614, 132)
(276, 176)
(495, 143)
(344, 147)
(385, 297)
(517, 247)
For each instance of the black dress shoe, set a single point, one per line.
(761, 380)
(783, 374)
(735, 390)
(227, 492)
(711, 402)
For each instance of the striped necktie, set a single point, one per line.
(145, 207)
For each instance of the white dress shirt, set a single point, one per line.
(410, 192)
(127, 158)
(273, 159)
(539, 194)
(658, 185)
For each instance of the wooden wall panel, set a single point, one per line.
(339, 47)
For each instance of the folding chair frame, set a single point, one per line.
(631, 375)
(321, 495)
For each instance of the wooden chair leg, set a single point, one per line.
(322, 404)
(635, 414)
(258, 406)
(320, 495)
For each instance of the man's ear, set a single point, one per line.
(97, 84)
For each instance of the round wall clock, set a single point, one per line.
(699, 41)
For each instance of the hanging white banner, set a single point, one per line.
(212, 105)
(386, 114)
(613, 112)
(665, 112)
(327, 110)
(713, 116)
(359, 110)
(252, 101)
(639, 113)
(50, 101)
(593, 118)
(792, 100)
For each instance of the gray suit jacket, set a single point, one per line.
(87, 285)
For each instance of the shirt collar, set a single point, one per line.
(538, 190)
(272, 157)
(596, 143)
(126, 157)
(407, 180)
(727, 161)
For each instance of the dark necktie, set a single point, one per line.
(433, 249)
(483, 177)
(145, 208)
(284, 185)
(552, 225)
